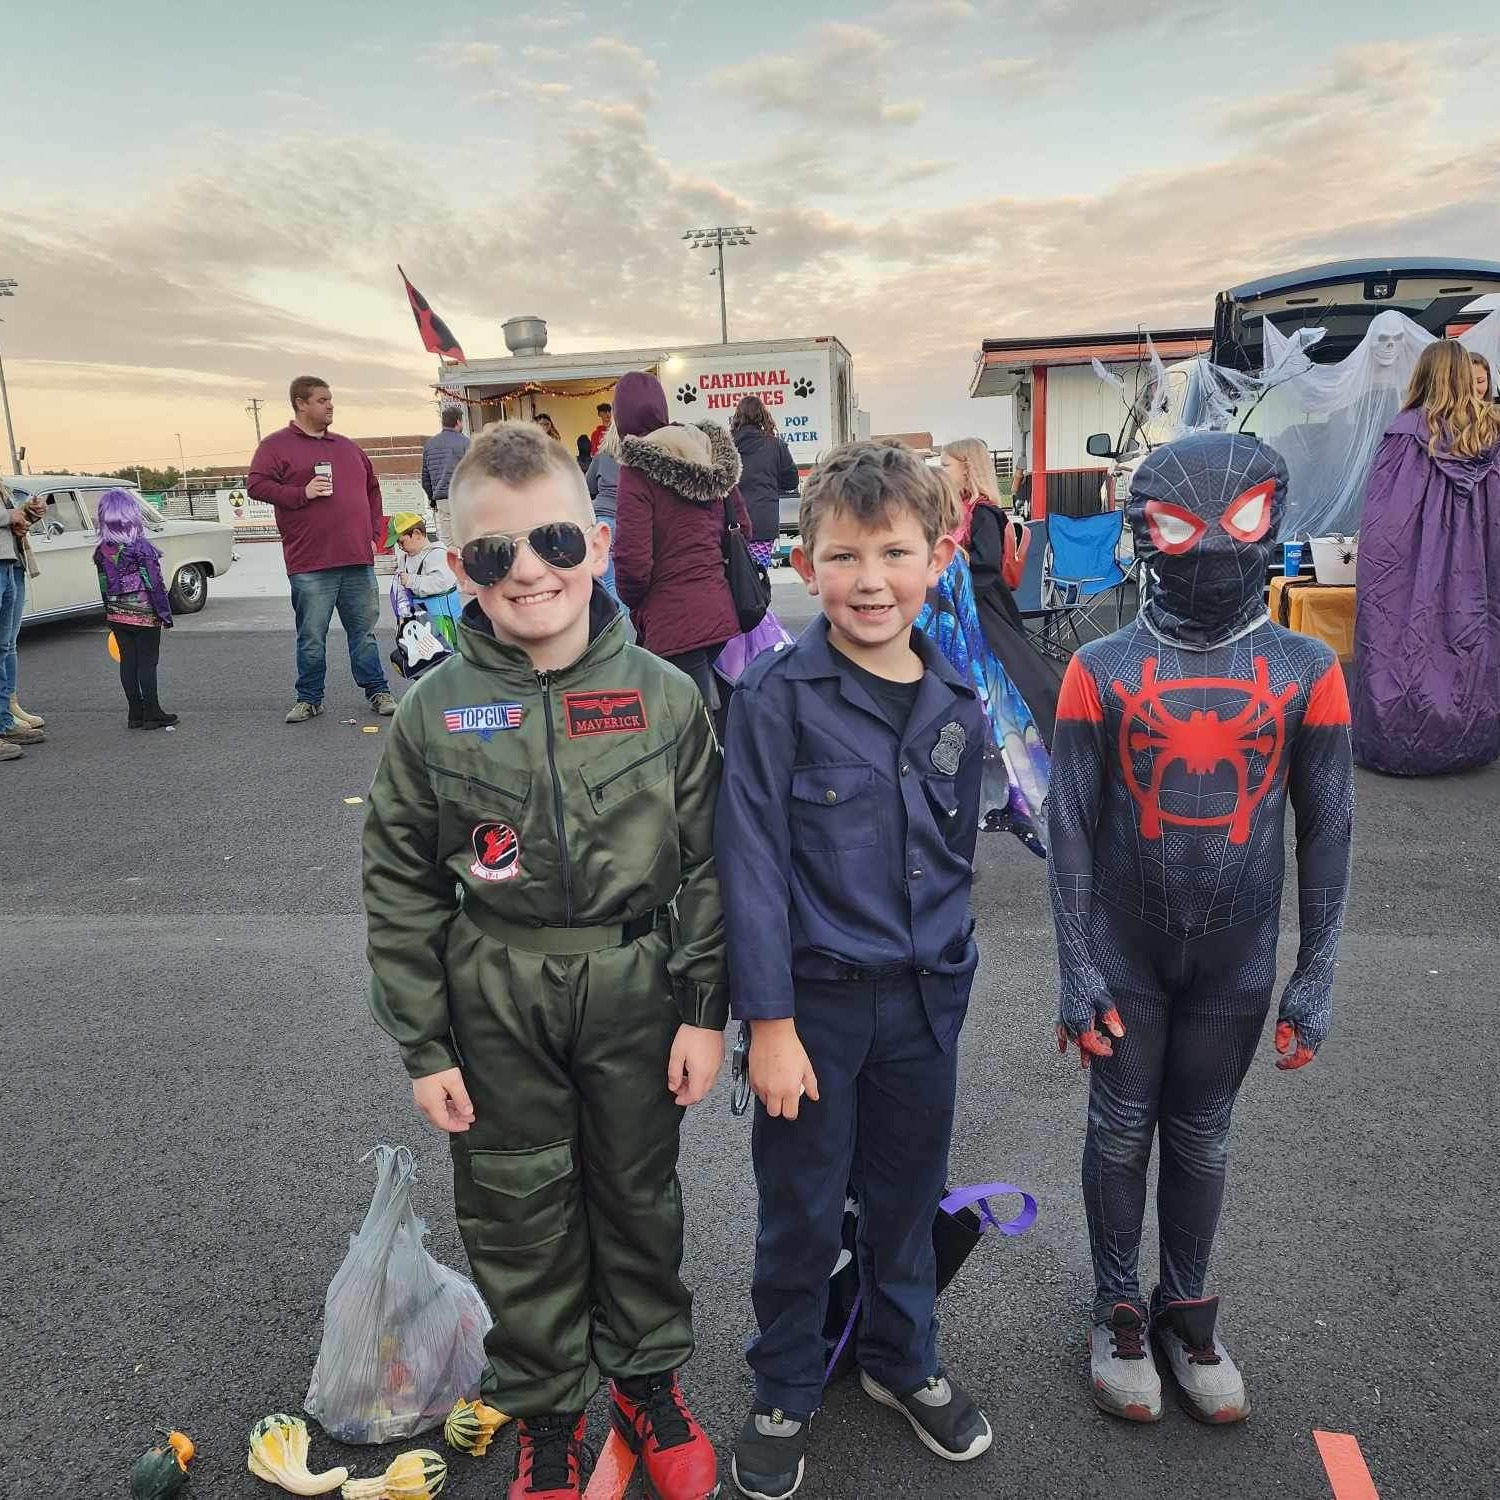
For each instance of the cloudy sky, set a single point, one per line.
(201, 202)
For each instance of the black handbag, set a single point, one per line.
(749, 583)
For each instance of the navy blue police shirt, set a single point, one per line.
(844, 846)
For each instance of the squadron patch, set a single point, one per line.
(497, 850)
(949, 750)
(604, 713)
(483, 719)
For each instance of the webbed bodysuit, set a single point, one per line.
(1179, 740)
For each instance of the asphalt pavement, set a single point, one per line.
(192, 1079)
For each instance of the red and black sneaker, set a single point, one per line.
(677, 1459)
(549, 1459)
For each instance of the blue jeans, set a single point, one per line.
(882, 1125)
(353, 593)
(12, 601)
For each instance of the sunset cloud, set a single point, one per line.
(166, 312)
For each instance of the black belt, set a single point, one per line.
(818, 966)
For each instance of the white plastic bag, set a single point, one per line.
(403, 1337)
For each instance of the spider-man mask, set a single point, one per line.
(1205, 511)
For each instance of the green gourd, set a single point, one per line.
(158, 1474)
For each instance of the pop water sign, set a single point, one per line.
(794, 388)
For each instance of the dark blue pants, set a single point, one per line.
(353, 593)
(1193, 1013)
(882, 1124)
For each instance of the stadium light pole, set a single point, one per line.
(716, 239)
(8, 289)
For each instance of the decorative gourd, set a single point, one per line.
(158, 1474)
(471, 1425)
(183, 1446)
(418, 1475)
(278, 1454)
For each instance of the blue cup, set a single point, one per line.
(1291, 558)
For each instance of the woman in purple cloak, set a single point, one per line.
(1427, 608)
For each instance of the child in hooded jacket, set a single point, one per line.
(135, 604)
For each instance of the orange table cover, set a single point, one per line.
(1322, 610)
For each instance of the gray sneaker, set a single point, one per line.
(303, 711)
(1124, 1373)
(1209, 1382)
(941, 1414)
(383, 704)
(10, 752)
(19, 734)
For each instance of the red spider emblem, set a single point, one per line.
(1202, 742)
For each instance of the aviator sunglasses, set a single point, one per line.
(557, 544)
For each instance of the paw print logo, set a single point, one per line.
(803, 387)
(687, 394)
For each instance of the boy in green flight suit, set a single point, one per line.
(547, 945)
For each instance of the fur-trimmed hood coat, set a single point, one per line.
(675, 482)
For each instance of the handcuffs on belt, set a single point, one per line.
(739, 1072)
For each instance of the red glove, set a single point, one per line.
(1295, 1053)
(1092, 1044)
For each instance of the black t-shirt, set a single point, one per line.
(894, 699)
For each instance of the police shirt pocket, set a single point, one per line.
(942, 793)
(832, 809)
(520, 1199)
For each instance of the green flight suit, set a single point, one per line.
(525, 836)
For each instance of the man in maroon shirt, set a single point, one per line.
(331, 521)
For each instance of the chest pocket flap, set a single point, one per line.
(626, 772)
(833, 807)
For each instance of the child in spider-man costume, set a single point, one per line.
(1179, 740)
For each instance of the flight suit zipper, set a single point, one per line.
(545, 681)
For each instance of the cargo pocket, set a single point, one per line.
(521, 1199)
(832, 810)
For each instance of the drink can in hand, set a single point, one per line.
(1291, 558)
(324, 471)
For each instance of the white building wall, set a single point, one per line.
(1078, 405)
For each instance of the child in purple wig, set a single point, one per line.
(135, 603)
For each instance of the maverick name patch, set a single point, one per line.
(604, 713)
(497, 850)
(483, 719)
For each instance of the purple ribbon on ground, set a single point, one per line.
(960, 1198)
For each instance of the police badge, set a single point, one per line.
(949, 749)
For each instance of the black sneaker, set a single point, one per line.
(767, 1462)
(941, 1414)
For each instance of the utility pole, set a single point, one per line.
(254, 409)
(8, 289)
(716, 239)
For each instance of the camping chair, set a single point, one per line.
(1084, 585)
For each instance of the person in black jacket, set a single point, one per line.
(769, 473)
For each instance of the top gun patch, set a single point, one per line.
(483, 719)
(604, 713)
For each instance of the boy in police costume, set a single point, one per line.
(547, 945)
(846, 832)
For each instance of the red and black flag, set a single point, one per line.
(437, 337)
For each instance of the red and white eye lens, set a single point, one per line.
(1173, 529)
(1249, 515)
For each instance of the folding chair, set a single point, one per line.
(1083, 581)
